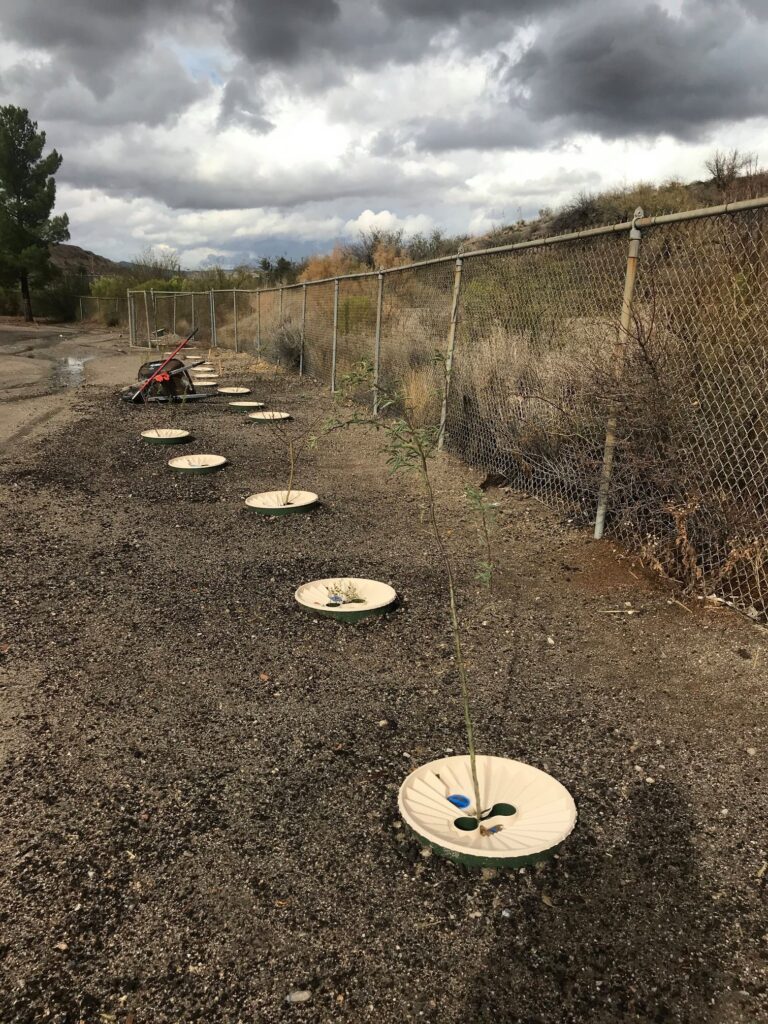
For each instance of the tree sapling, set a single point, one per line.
(410, 448)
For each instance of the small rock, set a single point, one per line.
(426, 853)
(62, 946)
(298, 996)
(488, 873)
(751, 751)
(506, 913)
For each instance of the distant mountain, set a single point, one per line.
(74, 261)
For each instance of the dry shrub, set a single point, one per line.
(530, 414)
(333, 264)
(423, 396)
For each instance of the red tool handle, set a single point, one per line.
(162, 366)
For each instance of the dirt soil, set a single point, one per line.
(199, 779)
(42, 364)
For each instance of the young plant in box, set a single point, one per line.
(474, 809)
(292, 442)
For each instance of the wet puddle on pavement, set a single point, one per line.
(69, 371)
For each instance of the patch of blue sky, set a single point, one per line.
(204, 62)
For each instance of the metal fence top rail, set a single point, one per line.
(534, 243)
(154, 291)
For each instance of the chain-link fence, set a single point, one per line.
(153, 317)
(618, 374)
(111, 311)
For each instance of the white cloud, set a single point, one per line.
(176, 130)
(385, 220)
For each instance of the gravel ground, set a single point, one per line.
(199, 798)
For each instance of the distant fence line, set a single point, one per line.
(617, 373)
(107, 309)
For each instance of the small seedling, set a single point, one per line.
(294, 442)
(410, 448)
(486, 514)
(343, 593)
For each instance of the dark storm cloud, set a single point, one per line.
(620, 71)
(129, 174)
(243, 104)
(55, 94)
(103, 27)
(507, 128)
(106, 61)
(617, 69)
(372, 33)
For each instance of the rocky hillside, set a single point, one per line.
(589, 210)
(74, 261)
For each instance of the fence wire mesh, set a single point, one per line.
(540, 364)
(290, 341)
(245, 307)
(356, 326)
(318, 331)
(108, 310)
(519, 401)
(154, 319)
(690, 483)
(416, 316)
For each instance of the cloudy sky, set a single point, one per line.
(232, 129)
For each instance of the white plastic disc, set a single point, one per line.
(345, 596)
(165, 435)
(544, 811)
(198, 463)
(273, 502)
(269, 414)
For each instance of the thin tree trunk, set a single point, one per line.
(26, 298)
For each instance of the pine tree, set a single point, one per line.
(27, 197)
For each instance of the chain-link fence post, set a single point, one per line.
(131, 337)
(303, 327)
(234, 310)
(280, 310)
(212, 297)
(258, 324)
(193, 311)
(617, 359)
(149, 328)
(450, 349)
(335, 333)
(377, 345)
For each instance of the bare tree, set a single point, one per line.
(726, 166)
